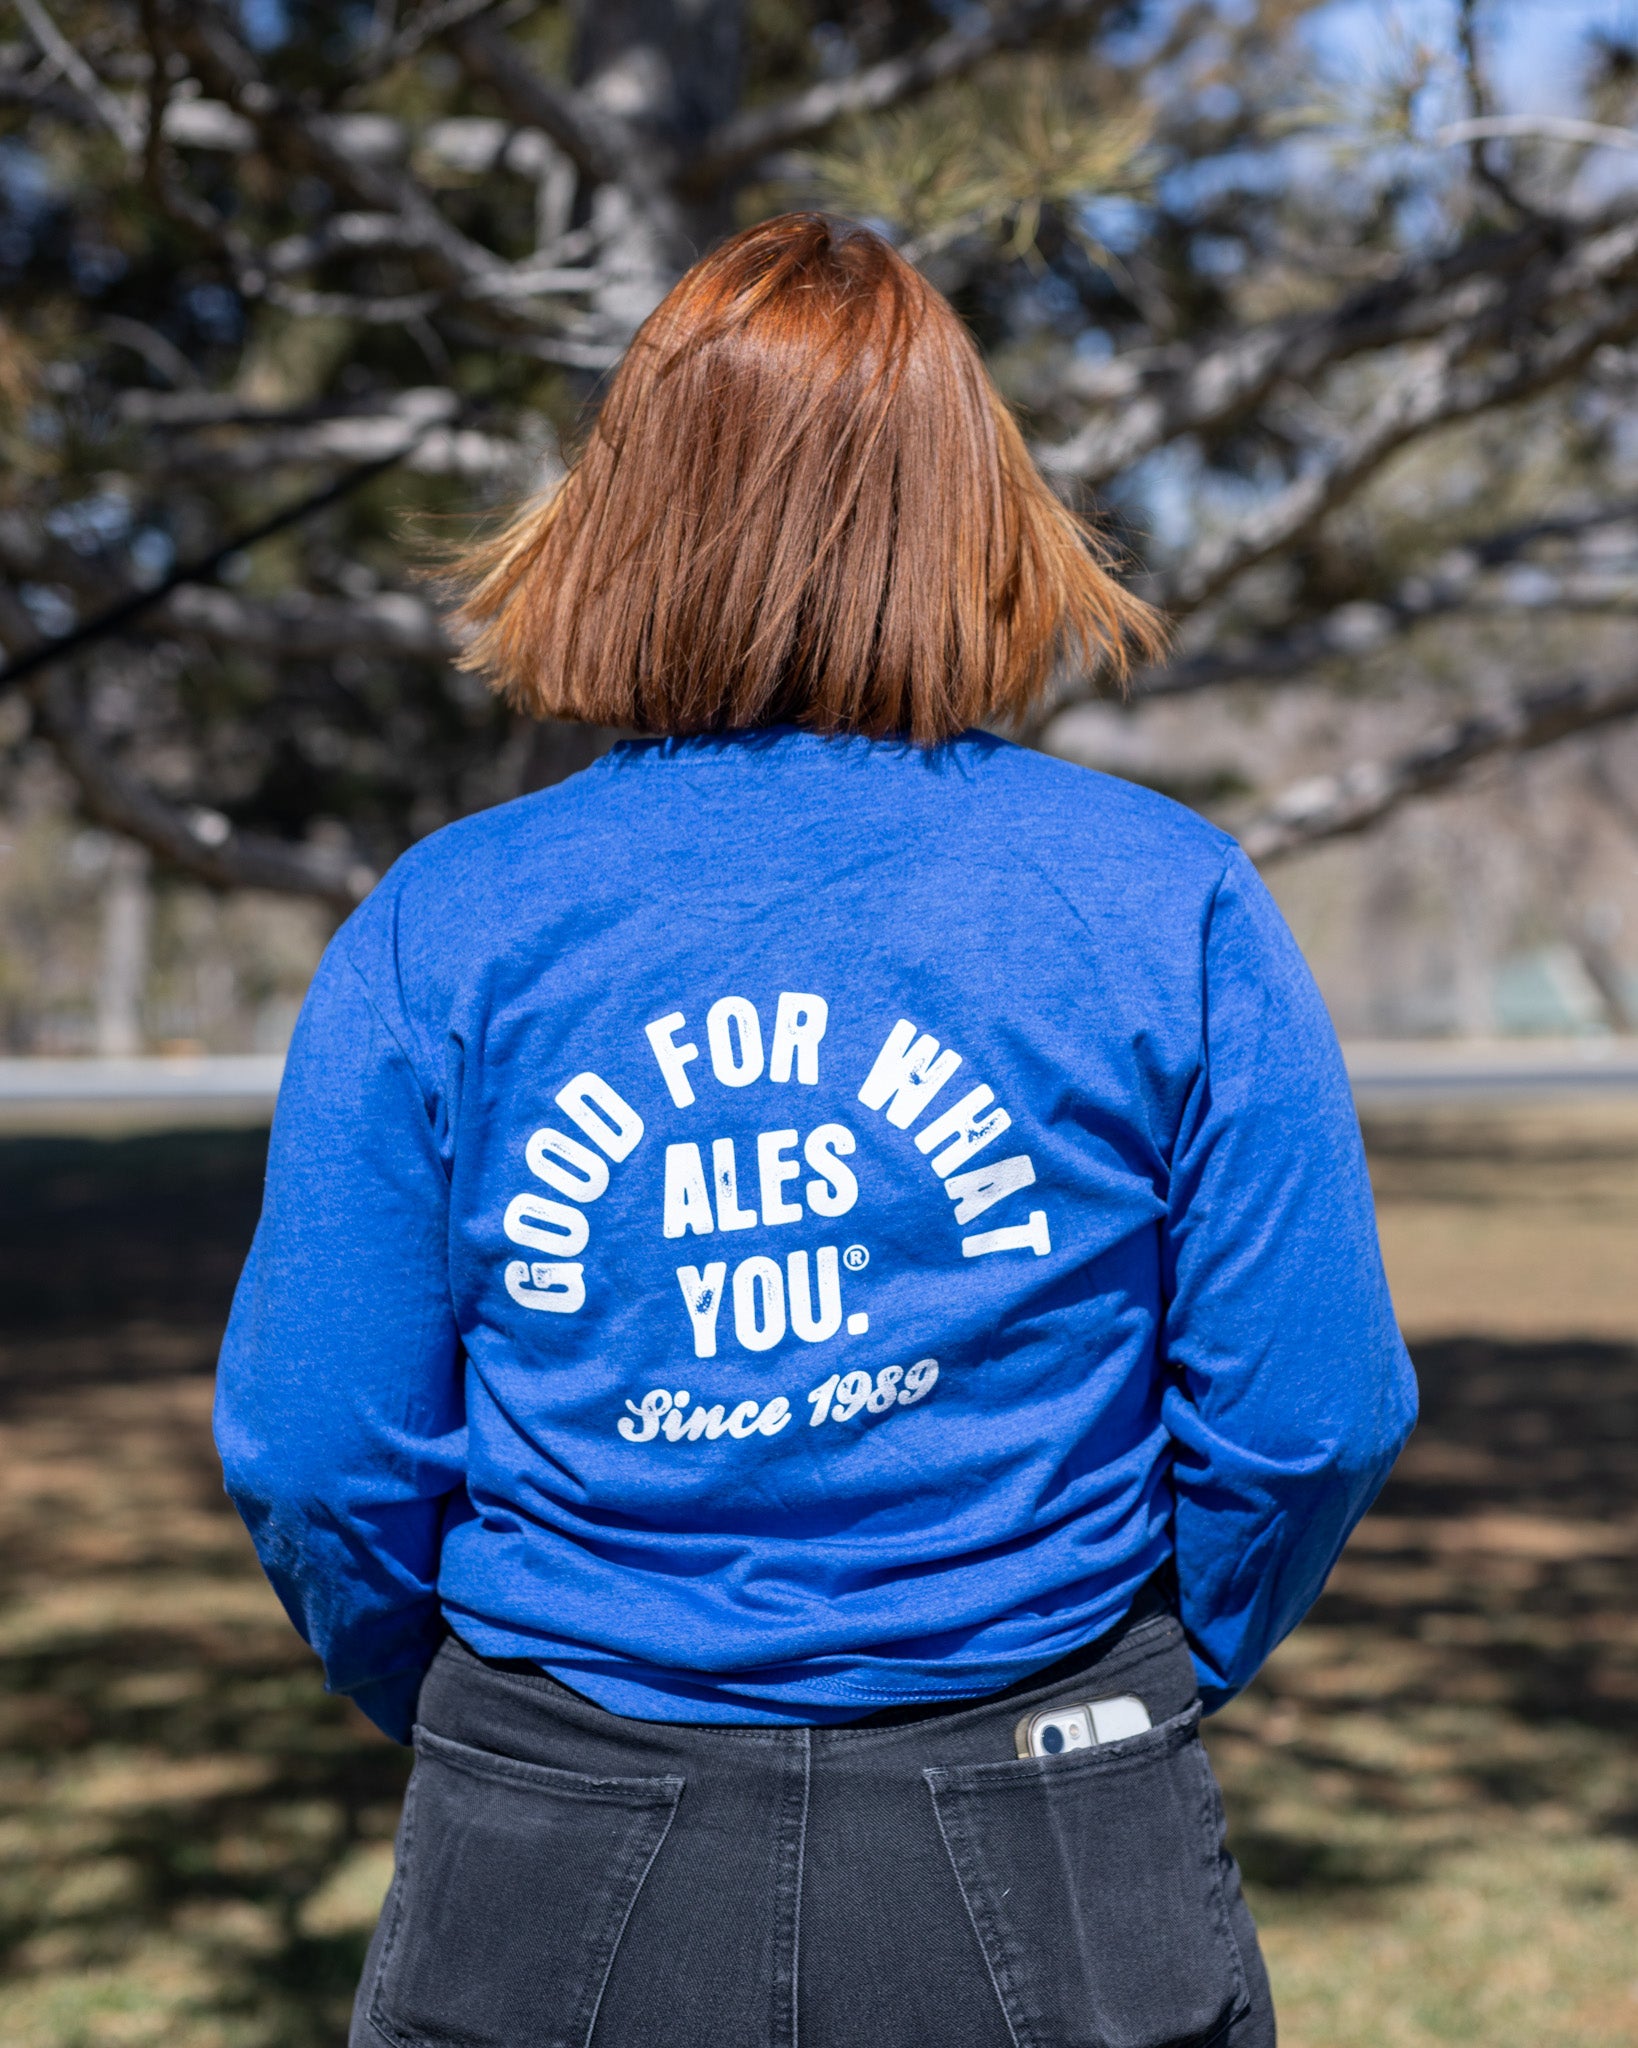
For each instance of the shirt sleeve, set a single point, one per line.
(1288, 1390)
(340, 1399)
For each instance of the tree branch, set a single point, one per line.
(1368, 621)
(1478, 96)
(1537, 127)
(426, 27)
(1333, 806)
(41, 653)
(1364, 627)
(397, 311)
(226, 67)
(42, 91)
(386, 193)
(110, 109)
(1145, 400)
(343, 234)
(440, 451)
(201, 843)
(740, 141)
(601, 145)
(1436, 393)
(544, 348)
(301, 627)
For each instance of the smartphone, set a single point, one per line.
(1052, 1731)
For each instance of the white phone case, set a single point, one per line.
(1054, 1731)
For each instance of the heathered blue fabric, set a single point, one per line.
(1154, 1297)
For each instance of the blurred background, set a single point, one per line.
(1327, 311)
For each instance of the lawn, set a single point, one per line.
(1433, 1789)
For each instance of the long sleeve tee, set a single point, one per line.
(777, 1227)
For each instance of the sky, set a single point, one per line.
(1535, 46)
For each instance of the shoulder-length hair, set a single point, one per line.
(803, 502)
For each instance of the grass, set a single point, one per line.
(193, 1838)
(1433, 1787)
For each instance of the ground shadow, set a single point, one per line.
(1474, 1656)
(194, 1835)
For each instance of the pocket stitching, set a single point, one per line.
(459, 1755)
(967, 1892)
(631, 1907)
(966, 1781)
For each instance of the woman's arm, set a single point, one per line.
(1290, 1393)
(339, 1405)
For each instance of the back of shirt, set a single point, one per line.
(780, 1227)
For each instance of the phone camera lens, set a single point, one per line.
(1052, 1738)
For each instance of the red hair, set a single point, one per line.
(803, 501)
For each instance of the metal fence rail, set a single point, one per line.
(241, 1087)
(114, 1095)
(1435, 1070)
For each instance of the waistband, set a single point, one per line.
(520, 1711)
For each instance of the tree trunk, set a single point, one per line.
(671, 69)
(127, 914)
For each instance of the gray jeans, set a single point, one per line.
(570, 1879)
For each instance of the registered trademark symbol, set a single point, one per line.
(855, 1258)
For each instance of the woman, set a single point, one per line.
(817, 1296)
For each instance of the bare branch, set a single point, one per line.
(32, 654)
(1333, 806)
(183, 409)
(1541, 127)
(601, 145)
(542, 277)
(207, 124)
(112, 111)
(301, 627)
(159, 92)
(376, 187)
(431, 23)
(739, 142)
(1146, 399)
(200, 842)
(1450, 589)
(1479, 101)
(464, 267)
(1364, 627)
(369, 312)
(161, 355)
(544, 348)
(343, 234)
(1435, 392)
(440, 451)
(42, 91)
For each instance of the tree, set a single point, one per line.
(287, 284)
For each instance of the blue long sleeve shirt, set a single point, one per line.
(778, 1227)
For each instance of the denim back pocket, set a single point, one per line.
(1094, 1883)
(513, 1887)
